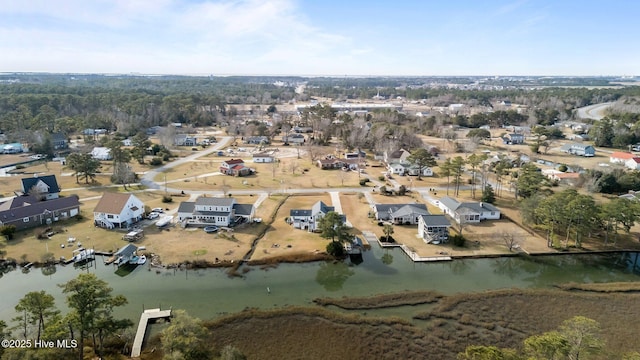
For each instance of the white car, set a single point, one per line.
(257, 220)
(153, 215)
(157, 210)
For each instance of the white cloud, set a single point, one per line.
(250, 36)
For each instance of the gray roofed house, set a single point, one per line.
(309, 219)
(243, 209)
(400, 213)
(59, 141)
(46, 186)
(215, 201)
(298, 212)
(187, 207)
(321, 207)
(434, 229)
(468, 212)
(28, 211)
(579, 149)
(220, 211)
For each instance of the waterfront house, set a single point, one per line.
(118, 210)
(214, 211)
(309, 219)
(41, 186)
(400, 214)
(468, 212)
(434, 229)
(28, 211)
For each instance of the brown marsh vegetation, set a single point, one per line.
(501, 318)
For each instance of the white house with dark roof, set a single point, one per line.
(468, 212)
(309, 219)
(118, 210)
(434, 229)
(43, 186)
(400, 214)
(220, 211)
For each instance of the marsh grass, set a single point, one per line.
(382, 301)
(502, 318)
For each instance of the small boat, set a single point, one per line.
(134, 260)
(83, 255)
(142, 259)
(164, 221)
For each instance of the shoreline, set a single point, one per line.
(299, 258)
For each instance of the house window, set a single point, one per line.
(493, 213)
(109, 216)
(25, 219)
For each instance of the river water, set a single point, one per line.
(209, 293)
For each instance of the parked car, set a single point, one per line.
(257, 220)
(153, 215)
(157, 210)
(211, 229)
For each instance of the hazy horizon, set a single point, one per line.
(321, 39)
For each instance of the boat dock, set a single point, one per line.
(147, 315)
(370, 237)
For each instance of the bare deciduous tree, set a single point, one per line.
(510, 240)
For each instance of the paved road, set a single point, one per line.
(594, 112)
(147, 179)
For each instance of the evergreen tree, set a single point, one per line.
(488, 195)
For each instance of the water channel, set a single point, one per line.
(208, 293)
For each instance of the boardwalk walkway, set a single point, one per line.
(142, 328)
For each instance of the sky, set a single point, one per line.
(322, 37)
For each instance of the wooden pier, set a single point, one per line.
(147, 315)
(370, 237)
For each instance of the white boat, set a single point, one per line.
(142, 259)
(164, 221)
(82, 255)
